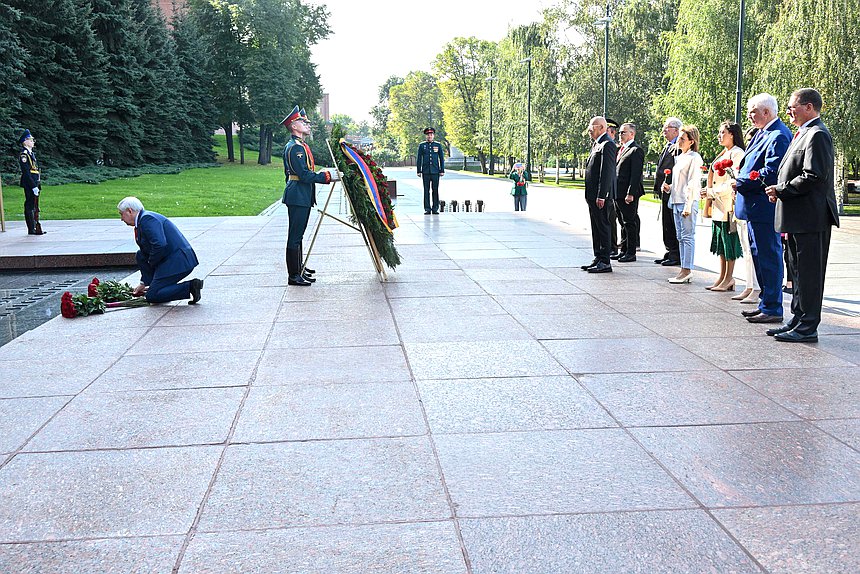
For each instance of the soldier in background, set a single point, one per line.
(431, 165)
(31, 182)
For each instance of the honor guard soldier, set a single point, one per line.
(299, 194)
(431, 165)
(31, 182)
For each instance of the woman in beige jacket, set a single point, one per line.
(725, 243)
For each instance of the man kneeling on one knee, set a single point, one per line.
(165, 257)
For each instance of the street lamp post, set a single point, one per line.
(604, 21)
(529, 116)
(739, 82)
(491, 79)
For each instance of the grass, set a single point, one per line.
(231, 189)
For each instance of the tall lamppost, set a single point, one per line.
(491, 79)
(604, 21)
(529, 117)
(740, 62)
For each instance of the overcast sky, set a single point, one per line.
(399, 36)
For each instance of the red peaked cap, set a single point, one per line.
(294, 115)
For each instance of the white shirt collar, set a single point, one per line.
(806, 124)
(770, 123)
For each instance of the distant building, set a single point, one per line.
(323, 108)
(168, 7)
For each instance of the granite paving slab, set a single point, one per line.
(141, 419)
(683, 325)
(799, 539)
(624, 355)
(333, 309)
(520, 305)
(590, 325)
(439, 288)
(50, 376)
(686, 398)
(105, 556)
(844, 346)
(470, 306)
(757, 464)
(334, 333)
(20, 418)
(680, 542)
(328, 410)
(510, 404)
(480, 359)
(178, 370)
(54, 496)
(420, 548)
(528, 286)
(194, 338)
(760, 352)
(846, 430)
(325, 482)
(335, 365)
(445, 327)
(814, 393)
(599, 470)
(675, 303)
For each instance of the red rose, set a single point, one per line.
(95, 281)
(721, 172)
(754, 175)
(67, 306)
(667, 171)
(93, 290)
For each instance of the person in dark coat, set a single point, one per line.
(672, 257)
(600, 183)
(299, 193)
(165, 257)
(31, 181)
(430, 162)
(629, 165)
(806, 211)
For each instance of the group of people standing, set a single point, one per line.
(775, 188)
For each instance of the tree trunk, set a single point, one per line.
(228, 130)
(464, 163)
(482, 157)
(241, 145)
(264, 157)
(269, 141)
(510, 163)
(557, 171)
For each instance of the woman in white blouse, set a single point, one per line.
(725, 243)
(684, 192)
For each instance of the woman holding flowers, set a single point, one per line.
(684, 191)
(520, 189)
(725, 243)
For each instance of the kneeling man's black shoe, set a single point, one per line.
(600, 268)
(795, 337)
(196, 287)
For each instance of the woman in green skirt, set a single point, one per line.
(725, 242)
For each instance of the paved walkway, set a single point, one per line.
(491, 409)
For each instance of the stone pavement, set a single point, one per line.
(490, 409)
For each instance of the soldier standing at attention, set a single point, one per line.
(299, 194)
(431, 165)
(31, 182)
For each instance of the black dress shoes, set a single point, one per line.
(763, 318)
(600, 268)
(308, 278)
(795, 337)
(426, 213)
(778, 330)
(670, 263)
(298, 280)
(435, 213)
(309, 271)
(626, 258)
(196, 287)
(660, 261)
(751, 313)
(615, 256)
(589, 266)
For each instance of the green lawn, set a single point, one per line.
(231, 189)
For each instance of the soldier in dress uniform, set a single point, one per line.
(299, 194)
(31, 182)
(431, 165)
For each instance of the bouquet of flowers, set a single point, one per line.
(99, 297)
(723, 167)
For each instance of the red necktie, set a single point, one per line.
(797, 133)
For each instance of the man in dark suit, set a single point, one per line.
(805, 210)
(600, 181)
(31, 181)
(299, 195)
(431, 166)
(612, 213)
(165, 257)
(631, 159)
(758, 169)
(671, 129)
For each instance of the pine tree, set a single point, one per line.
(12, 90)
(114, 27)
(200, 112)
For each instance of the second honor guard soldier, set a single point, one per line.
(31, 182)
(431, 165)
(299, 194)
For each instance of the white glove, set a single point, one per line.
(36, 191)
(335, 176)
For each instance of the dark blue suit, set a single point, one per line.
(763, 155)
(165, 258)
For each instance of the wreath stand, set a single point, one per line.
(2, 210)
(365, 234)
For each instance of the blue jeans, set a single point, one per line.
(520, 202)
(685, 231)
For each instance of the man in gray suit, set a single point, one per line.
(805, 210)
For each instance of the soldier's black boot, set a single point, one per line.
(294, 264)
(31, 225)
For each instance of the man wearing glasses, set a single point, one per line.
(299, 194)
(631, 159)
(805, 210)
